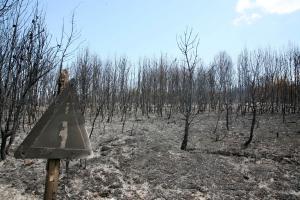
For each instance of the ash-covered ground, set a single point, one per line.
(145, 162)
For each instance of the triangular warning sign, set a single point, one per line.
(60, 133)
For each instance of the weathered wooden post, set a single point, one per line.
(59, 134)
(52, 178)
(53, 165)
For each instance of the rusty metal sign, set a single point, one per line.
(60, 133)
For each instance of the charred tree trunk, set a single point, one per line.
(3, 147)
(252, 127)
(186, 135)
(227, 117)
(11, 140)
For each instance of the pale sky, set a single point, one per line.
(139, 28)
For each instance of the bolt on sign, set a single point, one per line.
(60, 133)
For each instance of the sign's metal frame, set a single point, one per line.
(44, 139)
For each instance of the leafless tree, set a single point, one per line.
(83, 74)
(224, 75)
(251, 63)
(26, 57)
(188, 46)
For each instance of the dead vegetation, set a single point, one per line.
(146, 163)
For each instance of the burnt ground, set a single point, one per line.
(145, 162)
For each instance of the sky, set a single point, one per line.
(139, 28)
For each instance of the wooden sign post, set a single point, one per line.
(52, 179)
(59, 134)
(53, 165)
